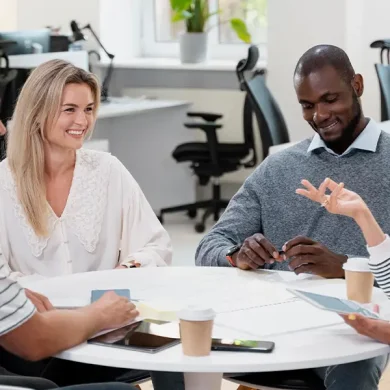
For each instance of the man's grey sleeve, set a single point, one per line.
(241, 219)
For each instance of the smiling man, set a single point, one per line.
(267, 225)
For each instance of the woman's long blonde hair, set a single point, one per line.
(36, 111)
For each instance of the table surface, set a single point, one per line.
(246, 304)
(119, 106)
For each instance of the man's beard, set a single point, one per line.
(347, 136)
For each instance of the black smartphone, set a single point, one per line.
(242, 345)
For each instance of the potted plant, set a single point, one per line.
(195, 14)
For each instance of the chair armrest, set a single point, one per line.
(212, 140)
(207, 116)
(206, 127)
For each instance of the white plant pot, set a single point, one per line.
(193, 48)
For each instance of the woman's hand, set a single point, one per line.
(340, 201)
(376, 329)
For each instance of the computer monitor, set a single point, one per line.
(25, 40)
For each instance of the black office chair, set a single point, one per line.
(212, 159)
(280, 380)
(383, 73)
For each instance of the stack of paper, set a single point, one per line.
(157, 311)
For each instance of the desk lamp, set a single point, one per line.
(79, 36)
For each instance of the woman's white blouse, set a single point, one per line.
(106, 221)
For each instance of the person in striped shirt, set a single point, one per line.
(345, 202)
(30, 328)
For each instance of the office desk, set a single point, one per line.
(142, 135)
(240, 304)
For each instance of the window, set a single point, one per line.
(161, 36)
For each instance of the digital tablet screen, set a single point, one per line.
(145, 336)
(337, 305)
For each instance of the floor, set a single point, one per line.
(185, 242)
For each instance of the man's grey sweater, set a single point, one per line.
(267, 203)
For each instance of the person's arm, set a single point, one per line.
(48, 333)
(344, 202)
(6, 270)
(348, 203)
(144, 240)
(240, 221)
(376, 329)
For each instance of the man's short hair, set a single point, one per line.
(320, 56)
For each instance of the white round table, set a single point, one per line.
(249, 305)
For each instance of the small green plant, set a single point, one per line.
(196, 14)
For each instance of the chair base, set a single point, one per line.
(212, 207)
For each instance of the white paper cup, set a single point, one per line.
(196, 327)
(360, 280)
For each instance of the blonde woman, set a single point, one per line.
(344, 202)
(64, 209)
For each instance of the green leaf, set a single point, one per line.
(181, 5)
(240, 28)
(183, 15)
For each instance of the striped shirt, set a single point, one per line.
(380, 264)
(15, 308)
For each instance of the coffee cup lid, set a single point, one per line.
(357, 264)
(196, 313)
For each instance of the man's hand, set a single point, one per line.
(115, 311)
(376, 329)
(41, 302)
(255, 252)
(309, 256)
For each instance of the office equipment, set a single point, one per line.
(27, 41)
(210, 160)
(79, 36)
(383, 72)
(59, 43)
(337, 305)
(235, 345)
(30, 61)
(142, 135)
(143, 336)
(97, 294)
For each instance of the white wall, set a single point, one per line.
(8, 14)
(290, 34)
(41, 13)
(295, 26)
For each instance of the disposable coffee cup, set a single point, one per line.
(196, 327)
(360, 280)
